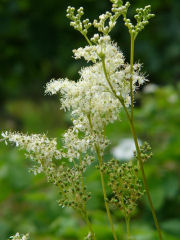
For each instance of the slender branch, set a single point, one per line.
(131, 122)
(104, 192)
(144, 179)
(132, 70)
(87, 39)
(107, 78)
(100, 161)
(136, 141)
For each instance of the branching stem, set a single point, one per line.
(136, 142)
(131, 122)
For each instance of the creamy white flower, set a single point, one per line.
(56, 86)
(92, 94)
(90, 53)
(114, 57)
(76, 147)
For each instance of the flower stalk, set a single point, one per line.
(132, 70)
(105, 195)
(131, 121)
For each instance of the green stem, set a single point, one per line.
(87, 39)
(131, 70)
(105, 195)
(100, 161)
(136, 141)
(130, 118)
(144, 179)
(128, 226)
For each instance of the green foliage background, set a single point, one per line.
(35, 44)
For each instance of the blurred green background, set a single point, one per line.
(36, 45)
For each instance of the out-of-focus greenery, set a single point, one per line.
(28, 203)
(35, 44)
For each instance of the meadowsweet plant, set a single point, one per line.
(106, 87)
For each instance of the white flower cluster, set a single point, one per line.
(54, 87)
(43, 150)
(17, 236)
(104, 47)
(40, 148)
(76, 147)
(91, 95)
(90, 53)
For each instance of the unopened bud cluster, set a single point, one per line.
(69, 181)
(142, 17)
(107, 21)
(76, 22)
(126, 186)
(145, 151)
